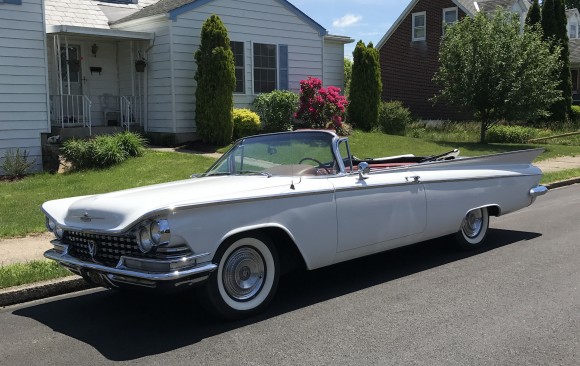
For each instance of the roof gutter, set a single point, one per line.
(98, 32)
(338, 39)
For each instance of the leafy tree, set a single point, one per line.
(534, 14)
(216, 81)
(487, 65)
(365, 87)
(348, 75)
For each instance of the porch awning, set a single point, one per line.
(98, 32)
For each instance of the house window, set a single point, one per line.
(419, 29)
(265, 67)
(238, 50)
(449, 17)
(573, 31)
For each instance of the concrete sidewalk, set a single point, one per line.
(21, 250)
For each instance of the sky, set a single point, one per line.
(366, 20)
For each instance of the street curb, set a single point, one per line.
(41, 290)
(563, 183)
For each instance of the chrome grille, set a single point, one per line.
(110, 248)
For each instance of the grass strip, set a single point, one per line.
(551, 177)
(30, 272)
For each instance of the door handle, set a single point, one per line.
(413, 179)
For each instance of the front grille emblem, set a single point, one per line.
(92, 248)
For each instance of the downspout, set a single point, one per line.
(172, 76)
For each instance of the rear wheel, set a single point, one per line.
(246, 279)
(473, 229)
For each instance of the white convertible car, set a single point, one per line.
(276, 201)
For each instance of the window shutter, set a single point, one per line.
(283, 67)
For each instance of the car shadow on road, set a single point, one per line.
(127, 326)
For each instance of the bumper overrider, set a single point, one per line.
(176, 272)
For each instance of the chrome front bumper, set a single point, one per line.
(538, 191)
(124, 275)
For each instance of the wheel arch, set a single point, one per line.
(291, 257)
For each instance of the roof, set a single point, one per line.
(469, 7)
(174, 8)
(90, 13)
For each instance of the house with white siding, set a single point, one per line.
(23, 78)
(71, 69)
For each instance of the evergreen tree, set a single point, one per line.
(534, 14)
(365, 87)
(548, 19)
(216, 81)
(572, 4)
(562, 109)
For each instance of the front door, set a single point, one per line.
(71, 71)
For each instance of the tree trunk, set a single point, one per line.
(484, 125)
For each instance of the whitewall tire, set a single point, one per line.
(246, 278)
(474, 227)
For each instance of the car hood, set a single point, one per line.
(118, 211)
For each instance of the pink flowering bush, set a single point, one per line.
(321, 107)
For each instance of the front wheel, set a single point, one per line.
(473, 229)
(245, 280)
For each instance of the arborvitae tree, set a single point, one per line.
(216, 81)
(548, 19)
(365, 87)
(562, 109)
(534, 14)
(572, 4)
(347, 75)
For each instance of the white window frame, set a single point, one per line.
(416, 15)
(575, 33)
(243, 68)
(254, 92)
(444, 23)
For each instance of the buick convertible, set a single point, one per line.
(277, 201)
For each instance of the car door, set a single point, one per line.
(388, 205)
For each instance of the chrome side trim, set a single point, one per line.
(67, 261)
(538, 191)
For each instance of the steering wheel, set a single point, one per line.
(320, 165)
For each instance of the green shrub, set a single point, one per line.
(511, 134)
(132, 143)
(276, 109)
(16, 163)
(246, 123)
(107, 151)
(575, 115)
(102, 151)
(394, 118)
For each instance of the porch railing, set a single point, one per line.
(131, 111)
(71, 111)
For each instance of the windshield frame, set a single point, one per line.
(334, 145)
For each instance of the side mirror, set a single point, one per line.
(363, 170)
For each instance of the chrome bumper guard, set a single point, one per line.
(538, 191)
(189, 271)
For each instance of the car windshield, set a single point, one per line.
(287, 154)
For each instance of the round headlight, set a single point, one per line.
(160, 233)
(50, 225)
(59, 231)
(144, 240)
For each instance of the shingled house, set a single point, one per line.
(409, 51)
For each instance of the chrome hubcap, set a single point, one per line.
(472, 223)
(243, 274)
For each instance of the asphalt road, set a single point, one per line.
(517, 302)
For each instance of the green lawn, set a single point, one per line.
(20, 205)
(35, 271)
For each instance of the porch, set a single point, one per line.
(94, 83)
